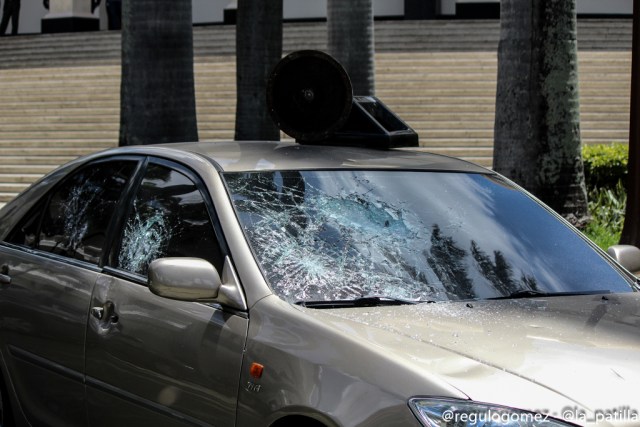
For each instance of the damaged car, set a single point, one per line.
(348, 280)
(277, 284)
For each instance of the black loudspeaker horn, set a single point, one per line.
(309, 95)
(310, 98)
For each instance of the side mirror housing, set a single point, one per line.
(184, 279)
(627, 256)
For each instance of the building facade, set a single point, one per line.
(33, 12)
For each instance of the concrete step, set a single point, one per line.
(84, 135)
(6, 197)
(13, 187)
(463, 151)
(56, 104)
(86, 104)
(42, 160)
(63, 98)
(215, 135)
(50, 127)
(93, 120)
(45, 151)
(19, 178)
(26, 169)
(611, 134)
(428, 140)
(620, 93)
(53, 142)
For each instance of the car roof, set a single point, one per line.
(242, 156)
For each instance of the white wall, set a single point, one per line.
(448, 7)
(388, 7)
(205, 11)
(212, 11)
(599, 7)
(31, 13)
(295, 9)
(605, 6)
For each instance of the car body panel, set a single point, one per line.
(585, 350)
(545, 355)
(262, 155)
(313, 369)
(43, 316)
(122, 355)
(172, 362)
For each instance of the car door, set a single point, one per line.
(152, 360)
(51, 259)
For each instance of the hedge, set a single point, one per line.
(605, 165)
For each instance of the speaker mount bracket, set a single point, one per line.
(310, 98)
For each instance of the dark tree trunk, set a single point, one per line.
(350, 41)
(537, 124)
(258, 50)
(157, 91)
(631, 229)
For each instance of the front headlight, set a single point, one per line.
(465, 413)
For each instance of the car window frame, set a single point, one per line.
(109, 262)
(45, 200)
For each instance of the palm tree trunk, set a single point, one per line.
(157, 90)
(258, 50)
(351, 42)
(537, 123)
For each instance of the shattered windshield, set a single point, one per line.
(427, 236)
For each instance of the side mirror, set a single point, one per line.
(627, 256)
(185, 279)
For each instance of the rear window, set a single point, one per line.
(74, 219)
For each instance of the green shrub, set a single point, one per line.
(605, 168)
(605, 165)
(607, 207)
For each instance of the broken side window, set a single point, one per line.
(76, 219)
(169, 218)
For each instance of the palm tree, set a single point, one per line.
(157, 90)
(258, 50)
(351, 42)
(537, 123)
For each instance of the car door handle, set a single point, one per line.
(106, 313)
(5, 279)
(97, 312)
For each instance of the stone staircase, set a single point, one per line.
(59, 94)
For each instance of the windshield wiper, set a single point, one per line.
(368, 301)
(528, 293)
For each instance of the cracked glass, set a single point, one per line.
(427, 236)
(75, 221)
(168, 218)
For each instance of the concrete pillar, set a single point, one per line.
(69, 16)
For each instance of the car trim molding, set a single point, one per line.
(144, 403)
(47, 364)
(44, 363)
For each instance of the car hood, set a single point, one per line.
(582, 350)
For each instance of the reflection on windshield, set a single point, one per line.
(410, 235)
